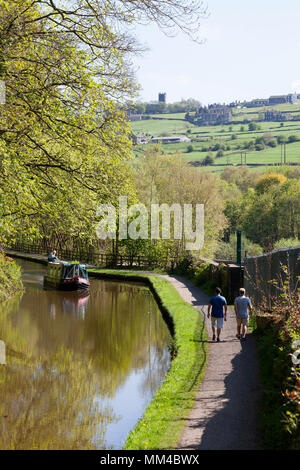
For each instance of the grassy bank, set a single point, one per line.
(163, 422)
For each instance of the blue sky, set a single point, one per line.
(251, 50)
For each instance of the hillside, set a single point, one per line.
(225, 143)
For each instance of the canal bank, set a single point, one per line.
(165, 418)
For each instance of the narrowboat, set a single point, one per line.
(66, 276)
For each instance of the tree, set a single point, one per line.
(63, 139)
(168, 179)
(227, 251)
(208, 160)
(272, 210)
(269, 180)
(252, 126)
(286, 243)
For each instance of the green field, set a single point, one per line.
(170, 116)
(156, 127)
(233, 136)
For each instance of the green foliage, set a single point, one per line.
(227, 250)
(268, 181)
(280, 374)
(208, 160)
(266, 207)
(201, 273)
(273, 361)
(10, 278)
(259, 147)
(272, 212)
(252, 126)
(286, 243)
(281, 139)
(168, 179)
(242, 177)
(185, 265)
(64, 142)
(64, 139)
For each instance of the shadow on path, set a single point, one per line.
(227, 418)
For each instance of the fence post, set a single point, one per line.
(239, 247)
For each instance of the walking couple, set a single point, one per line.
(217, 309)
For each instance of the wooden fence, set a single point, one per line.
(106, 260)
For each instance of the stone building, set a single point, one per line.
(212, 115)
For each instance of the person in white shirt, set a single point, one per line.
(242, 307)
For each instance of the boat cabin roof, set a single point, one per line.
(66, 264)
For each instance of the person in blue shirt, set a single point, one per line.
(217, 308)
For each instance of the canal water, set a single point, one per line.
(81, 369)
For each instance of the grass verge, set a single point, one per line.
(163, 421)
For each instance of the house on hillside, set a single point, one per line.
(293, 98)
(277, 116)
(280, 99)
(257, 103)
(212, 115)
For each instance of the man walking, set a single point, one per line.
(218, 308)
(242, 306)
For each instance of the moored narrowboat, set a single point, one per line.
(66, 276)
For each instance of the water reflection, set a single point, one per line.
(71, 360)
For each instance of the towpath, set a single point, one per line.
(224, 416)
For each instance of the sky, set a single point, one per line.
(251, 50)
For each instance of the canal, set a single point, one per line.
(80, 370)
